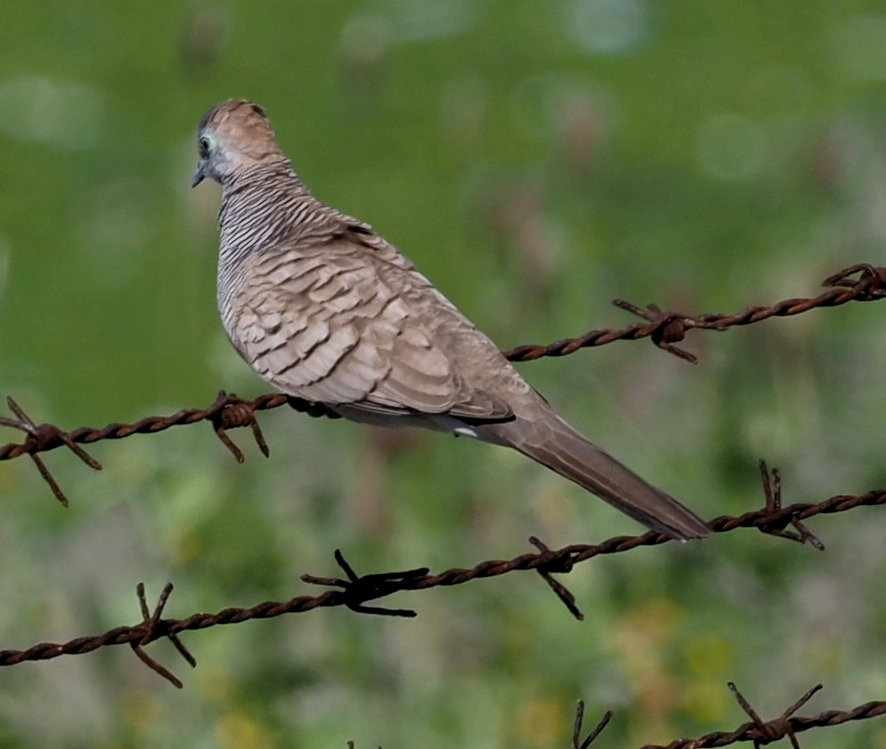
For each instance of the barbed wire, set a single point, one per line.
(356, 591)
(861, 282)
(787, 725)
(666, 328)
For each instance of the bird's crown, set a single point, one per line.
(232, 136)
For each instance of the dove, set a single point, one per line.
(326, 310)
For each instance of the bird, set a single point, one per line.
(326, 310)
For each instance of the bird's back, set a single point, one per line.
(329, 311)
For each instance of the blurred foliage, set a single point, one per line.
(536, 160)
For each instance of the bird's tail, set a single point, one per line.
(550, 441)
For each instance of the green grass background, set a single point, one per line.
(536, 160)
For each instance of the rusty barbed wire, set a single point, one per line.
(785, 726)
(666, 328)
(356, 591)
(861, 282)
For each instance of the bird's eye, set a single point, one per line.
(204, 144)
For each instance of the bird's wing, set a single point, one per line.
(337, 324)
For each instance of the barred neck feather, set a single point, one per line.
(264, 206)
(259, 207)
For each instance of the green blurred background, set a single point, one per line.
(536, 159)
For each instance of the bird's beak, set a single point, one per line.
(199, 175)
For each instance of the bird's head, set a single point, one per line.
(234, 136)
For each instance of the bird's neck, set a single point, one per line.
(259, 207)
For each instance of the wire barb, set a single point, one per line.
(557, 563)
(772, 492)
(229, 412)
(668, 327)
(778, 728)
(150, 625)
(359, 589)
(870, 284)
(577, 742)
(40, 437)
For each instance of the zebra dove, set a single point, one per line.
(326, 310)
